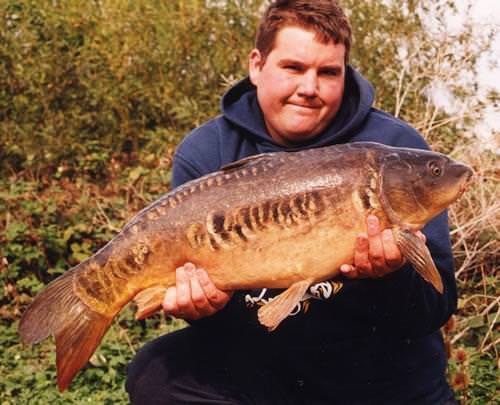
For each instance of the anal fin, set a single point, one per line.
(149, 301)
(417, 253)
(271, 314)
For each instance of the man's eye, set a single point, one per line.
(330, 72)
(293, 68)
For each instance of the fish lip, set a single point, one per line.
(466, 182)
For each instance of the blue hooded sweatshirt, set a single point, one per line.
(379, 338)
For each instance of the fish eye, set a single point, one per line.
(435, 169)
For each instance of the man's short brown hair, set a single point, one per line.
(325, 17)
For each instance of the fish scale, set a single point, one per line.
(278, 220)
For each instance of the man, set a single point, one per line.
(376, 340)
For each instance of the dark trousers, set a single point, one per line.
(192, 366)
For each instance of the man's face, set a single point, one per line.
(299, 85)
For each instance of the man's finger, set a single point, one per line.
(185, 304)
(217, 298)
(392, 253)
(170, 301)
(349, 271)
(361, 260)
(421, 236)
(376, 247)
(200, 301)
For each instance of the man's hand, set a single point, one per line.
(194, 295)
(376, 252)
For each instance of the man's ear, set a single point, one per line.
(255, 63)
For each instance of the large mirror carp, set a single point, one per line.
(278, 220)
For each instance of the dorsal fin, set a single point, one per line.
(245, 161)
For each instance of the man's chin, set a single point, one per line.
(299, 138)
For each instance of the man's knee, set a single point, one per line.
(149, 372)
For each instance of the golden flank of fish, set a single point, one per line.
(278, 220)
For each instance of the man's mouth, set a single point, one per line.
(307, 106)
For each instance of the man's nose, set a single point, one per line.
(308, 86)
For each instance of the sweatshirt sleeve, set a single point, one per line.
(197, 155)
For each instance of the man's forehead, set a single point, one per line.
(294, 42)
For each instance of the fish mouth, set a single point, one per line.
(466, 181)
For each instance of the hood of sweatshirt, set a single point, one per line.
(241, 108)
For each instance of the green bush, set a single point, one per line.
(80, 81)
(50, 226)
(29, 373)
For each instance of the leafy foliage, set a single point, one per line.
(94, 97)
(98, 77)
(408, 52)
(30, 373)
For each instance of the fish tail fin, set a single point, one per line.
(77, 342)
(77, 329)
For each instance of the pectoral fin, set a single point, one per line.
(149, 301)
(271, 314)
(417, 253)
